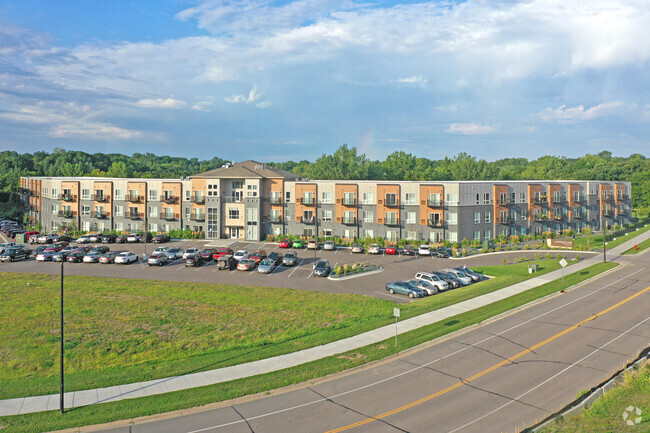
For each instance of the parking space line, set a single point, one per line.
(295, 268)
(310, 274)
(276, 268)
(199, 267)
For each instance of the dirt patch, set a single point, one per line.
(381, 347)
(354, 356)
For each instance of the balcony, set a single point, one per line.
(66, 214)
(197, 199)
(579, 216)
(134, 215)
(432, 222)
(307, 220)
(169, 200)
(500, 202)
(99, 215)
(197, 217)
(505, 221)
(559, 217)
(276, 219)
(349, 220)
(307, 201)
(434, 203)
(275, 200)
(580, 198)
(168, 216)
(350, 202)
(624, 197)
(539, 200)
(99, 198)
(540, 217)
(391, 221)
(134, 199)
(391, 203)
(69, 197)
(607, 197)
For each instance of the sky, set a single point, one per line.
(291, 80)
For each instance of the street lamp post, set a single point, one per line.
(61, 354)
(604, 223)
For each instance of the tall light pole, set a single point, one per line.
(604, 223)
(61, 409)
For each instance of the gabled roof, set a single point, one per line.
(247, 169)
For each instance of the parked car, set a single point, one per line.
(133, 238)
(158, 259)
(329, 246)
(424, 250)
(56, 247)
(433, 279)
(174, 253)
(475, 276)
(160, 238)
(276, 257)
(284, 243)
(126, 257)
(195, 259)
(357, 248)
(226, 262)
(121, 239)
(62, 255)
(373, 249)
(92, 256)
(62, 238)
(290, 259)
(15, 253)
(160, 250)
(405, 288)
(109, 238)
(258, 256)
(322, 268)
(391, 249)
(312, 244)
(45, 256)
(246, 265)
(188, 252)
(75, 256)
(109, 257)
(241, 254)
(442, 253)
(95, 237)
(101, 249)
(4, 247)
(207, 254)
(83, 239)
(296, 244)
(32, 236)
(451, 281)
(408, 250)
(39, 248)
(426, 286)
(266, 266)
(47, 238)
(222, 251)
(460, 275)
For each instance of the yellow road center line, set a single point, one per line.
(487, 370)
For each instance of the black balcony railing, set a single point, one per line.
(506, 221)
(607, 197)
(431, 222)
(69, 197)
(624, 197)
(307, 201)
(500, 202)
(579, 216)
(276, 219)
(349, 202)
(133, 198)
(66, 213)
(134, 215)
(391, 221)
(349, 220)
(275, 200)
(170, 216)
(99, 197)
(581, 198)
(99, 215)
(559, 217)
(434, 203)
(391, 203)
(540, 217)
(307, 220)
(197, 217)
(197, 199)
(539, 200)
(170, 200)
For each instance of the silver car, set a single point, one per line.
(158, 259)
(329, 246)
(266, 266)
(174, 253)
(191, 251)
(290, 259)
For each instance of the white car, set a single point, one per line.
(44, 256)
(174, 253)
(92, 257)
(134, 237)
(460, 275)
(47, 238)
(374, 249)
(191, 251)
(159, 250)
(240, 254)
(4, 247)
(424, 250)
(329, 246)
(126, 258)
(432, 279)
(83, 239)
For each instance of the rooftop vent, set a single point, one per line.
(228, 165)
(259, 167)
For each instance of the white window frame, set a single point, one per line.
(477, 217)
(410, 198)
(452, 218)
(153, 195)
(368, 198)
(487, 217)
(368, 216)
(326, 197)
(119, 194)
(85, 194)
(411, 217)
(326, 215)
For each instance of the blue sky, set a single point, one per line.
(272, 81)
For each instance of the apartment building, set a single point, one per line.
(250, 200)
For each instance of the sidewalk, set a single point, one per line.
(24, 405)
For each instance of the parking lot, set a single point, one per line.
(396, 267)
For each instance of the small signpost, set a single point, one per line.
(396, 314)
(563, 263)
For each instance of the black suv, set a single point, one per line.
(158, 239)
(109, 238)
(15, 253)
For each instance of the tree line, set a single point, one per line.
(344, 163)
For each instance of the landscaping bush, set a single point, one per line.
(559, 257)
(549, 255)
(526, 247)
(499, 249)
(577, 257)
(504, 262)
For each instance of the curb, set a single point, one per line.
(362, 274)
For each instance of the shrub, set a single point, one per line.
(490, 250)
(499, 249)
(515, 248)
(505, 261)
(577, 257)
(483, 250)
(338, 270)
(526, 247)
(538, 256)
(517, 259)
(549, 255)
(559, 257)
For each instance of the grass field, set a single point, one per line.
(596, 241)
(121, 331)
(606, 414)
(642, 246)
(52, 420)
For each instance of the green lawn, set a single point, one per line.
(606, 414)
(47, 421)
(642, 246)
(122, 331)
(595, 242)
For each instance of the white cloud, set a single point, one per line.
(263, 104)
(252, 97)
(578, 113)
(470, 129)
(413, 80)
(162, 103)
(201, 106)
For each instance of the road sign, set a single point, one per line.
(563, 263)
(396, 312)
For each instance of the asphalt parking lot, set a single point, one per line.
(396, 267)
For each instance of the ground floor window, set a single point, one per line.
(522, 230)
(85, 226)
(391, 235)
(287, 230)
(368, 234)
(277, 230)
(119, 227)
(487, 234)
(308, 232)
(153, 227)
(346, 234)
(411, 235)
(54, 226)
(326, 232)
(452, 236)
(477, 235)
(434, 237)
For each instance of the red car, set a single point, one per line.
(258, 256)
(391, 249)
(223, 251)
(284, 243)
(56, 247)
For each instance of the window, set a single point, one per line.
(368, 198)
(55, 193)
(85, 226)
(287, 215)
(119, 211)
(348, 199)
(326, 197)
(276, 197)
(153, 227)
(287, 196)
(513, 197)
(478, 198)
(391, 218)
(346, 234)
(556, 196)
(307, 197)
(391, 199)
(85, 194)
(452, 218)
(486, 234)
(523, 214)
(349, 217)
(327, 215)
(55, 209)
(153, 211)
(452, 236)
(477, 217)
(188, 194)
(85, 210)
(326, 232)
(308, 216)
(188, 211)
(434, 199)
(391, 235)
(434, 219)
(44, 192)
(411, 235)
(410, 198)
(487, 217)
(237, 184)
(486, 198)
(233, 213)
(410, 218)
(368, 234)
(119, 194)
(251, 193)
(252, 186)
(153, 195)
(368, 216)
(452, 200)
(504, 197)
(134, 195)
(522, 197)
(504, 216)
(119, 226)
(477, 235)
(276, 215)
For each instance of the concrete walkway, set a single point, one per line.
(41, 403)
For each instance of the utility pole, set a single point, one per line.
(604, 223)
(61, 355)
